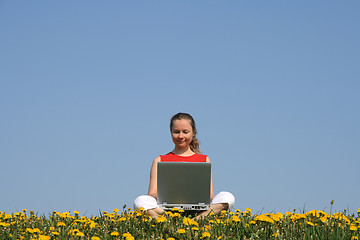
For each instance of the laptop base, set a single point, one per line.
(185, 207)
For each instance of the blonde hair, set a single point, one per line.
(194, 145)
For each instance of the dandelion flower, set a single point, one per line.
(170, 238)
(95, 238)
(115, 234)
(206, 234)
(80, 234)
(353, 227)
(181, 230)
(235, 219)
(44, 237)
(161, 219)
(76, 212)
(187, 221)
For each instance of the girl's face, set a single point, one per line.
(182, 133)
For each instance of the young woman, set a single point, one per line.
(183, 133)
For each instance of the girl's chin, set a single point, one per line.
(182, 145)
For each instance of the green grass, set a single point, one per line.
(174, 225)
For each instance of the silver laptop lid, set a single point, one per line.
(183, 183)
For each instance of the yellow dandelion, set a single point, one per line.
(115, 210)
(95, 238)
(252, 222)
(92, 224)
(30, 230)
(122, 219)
(187, 221)
(195, 228)
(161, 219)
(44, 237)
(170, 214)
(275, 234)
(193, 222)
(170, 238)
(310, 223)
(248, 210)
(129, 238)
(141, 209)
(59, 224)
(181, 230)
(55, 233)
(207, 227)
(353, 227)
(354, 238)
(80, 234)
(264, 218)
(76, 212)
(206, 234)
(223, 211)
(36, 230)
(115, 234)
(175, 209)
(235, 219)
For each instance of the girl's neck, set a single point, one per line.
(183, 152)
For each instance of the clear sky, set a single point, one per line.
(87, 89)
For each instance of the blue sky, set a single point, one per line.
(87, 89)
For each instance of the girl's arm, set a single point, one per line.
(211, 182)
(153, 178)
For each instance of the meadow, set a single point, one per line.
(127, 224)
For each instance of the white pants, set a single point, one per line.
(149, 202)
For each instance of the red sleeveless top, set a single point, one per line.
(171, 157)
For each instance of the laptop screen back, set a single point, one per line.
(183, 183)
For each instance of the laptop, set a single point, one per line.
(183, 185)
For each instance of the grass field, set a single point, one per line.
(174, 225)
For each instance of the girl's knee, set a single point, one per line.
(146, 202)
